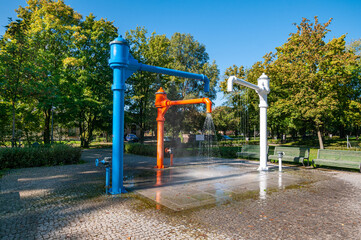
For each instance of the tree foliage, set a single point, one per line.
(180, 52)
(52, 58)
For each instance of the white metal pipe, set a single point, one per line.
(233, 79)
(263, 139)
(280, 164)
(280, 180)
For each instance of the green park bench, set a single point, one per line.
(249, 151)
(338, 158)
(292, 154)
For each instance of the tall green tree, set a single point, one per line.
(224, 119)
(14, 65)
(87, 78)
(354, 111)
(141, 86)
(314, 75)
(237, 100)
(50, 28)
(187, 54)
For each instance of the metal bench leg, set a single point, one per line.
(313, 164)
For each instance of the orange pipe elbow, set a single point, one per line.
(208, 104)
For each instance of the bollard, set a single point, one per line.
(280, 156)
(170, 151)
(106, 162)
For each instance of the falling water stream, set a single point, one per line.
(208, 149)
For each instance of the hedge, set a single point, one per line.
(58, 154)
(140, 149)
(180, 151)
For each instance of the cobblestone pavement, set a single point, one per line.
(68, 202)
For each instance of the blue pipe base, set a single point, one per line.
(117, 192)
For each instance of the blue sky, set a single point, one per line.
(234, 32)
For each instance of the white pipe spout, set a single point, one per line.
(230, 83)
(233, 79)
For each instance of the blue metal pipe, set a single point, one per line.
(107, 178)
(143, 67)
(106, 162)
(118, 130)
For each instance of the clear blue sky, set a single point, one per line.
(234, 32)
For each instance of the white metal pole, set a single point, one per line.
(263, 84)
(280, 164)
(263, 139)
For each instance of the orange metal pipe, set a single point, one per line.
(193, 101)
(162, 103)
(160, 144)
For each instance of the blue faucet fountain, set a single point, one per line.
(124, 65)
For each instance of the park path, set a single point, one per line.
(68, 202)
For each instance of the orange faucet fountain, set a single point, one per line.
(162, 103)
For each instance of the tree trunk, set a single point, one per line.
(81, 132)
(27, 137)
(319, 134)
(86, 143)
(342, 131)
(357, 133)
(47, 114)
(89, 135)
(13, 136)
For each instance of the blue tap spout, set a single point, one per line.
(206, 83)
(134, 65)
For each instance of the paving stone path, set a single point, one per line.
(68, 202)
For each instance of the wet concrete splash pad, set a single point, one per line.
(190, 186)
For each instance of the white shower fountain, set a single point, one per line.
(263, 90)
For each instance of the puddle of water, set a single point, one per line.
(183, 187)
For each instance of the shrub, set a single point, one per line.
(229, 152)
(141, 149)
(58, 154)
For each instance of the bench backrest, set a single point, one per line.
(251, 148)
(293, 151)
(339, 155)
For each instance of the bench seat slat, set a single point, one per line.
(250, 151)
(335, 163)
(338, 158)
